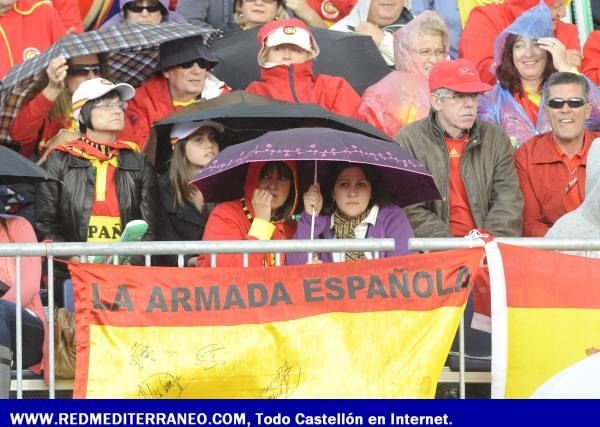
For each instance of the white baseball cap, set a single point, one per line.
(290, 34)
(96, 88)
(181, 131)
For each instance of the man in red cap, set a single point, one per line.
(471, 160)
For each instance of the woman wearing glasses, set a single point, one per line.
(526, 54)
(145, 12)
(402, 96)
(49, 112)
(104, 183)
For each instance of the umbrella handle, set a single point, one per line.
(312, 219)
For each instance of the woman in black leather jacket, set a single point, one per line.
(104, 182)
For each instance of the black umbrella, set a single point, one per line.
(15, 168)
(354, 57)
(248, 120)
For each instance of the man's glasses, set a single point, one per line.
(558, 103)
(106, 105)
(84, 69)
(461, 97)
(136, 8)
(202, 63)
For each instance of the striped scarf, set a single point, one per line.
(344, 228)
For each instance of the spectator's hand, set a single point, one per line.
(574, 58)
(558, 52)
(57, 73)
(71, 30)
(299, 7)
(193, 262)
(261, 202)
(60, 138)
(74, 259)
(313, 199)
(372, 30)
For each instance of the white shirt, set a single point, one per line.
(360, 232)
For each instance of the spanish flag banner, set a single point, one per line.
(373, 328)
(545, 319)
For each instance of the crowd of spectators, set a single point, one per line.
(499, 100)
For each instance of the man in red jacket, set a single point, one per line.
(551, 166)
(485, 23)
(183, 79)
(27, 27)
(285, 59)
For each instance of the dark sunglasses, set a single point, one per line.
(136, 8)
(202, 63)
(558, 103)
(84, 69)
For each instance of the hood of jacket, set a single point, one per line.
(252, 179)
(535, 23)
(269, 27)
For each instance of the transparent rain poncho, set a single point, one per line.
(499, 106)
(402, 96)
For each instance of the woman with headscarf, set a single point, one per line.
(584, 222)
(525, 55)
(378, 19)
(485, 24)
(146, 12)
(402, 96)
(356, 207)
(286, 55)
(264, 213)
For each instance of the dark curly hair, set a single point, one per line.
(507, 72)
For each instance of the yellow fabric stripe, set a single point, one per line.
(349, 355)
(261, 229)
(104, 229)
(544, 341)
(101, 173)
(33, 7)
(183, 103)
(8, 49)
(536, 97)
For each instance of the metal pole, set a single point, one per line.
(52, 385)
(19, 331)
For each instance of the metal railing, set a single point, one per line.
(449, 243)
(149, 249)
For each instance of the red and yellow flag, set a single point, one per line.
(545, 316)
(377, 328)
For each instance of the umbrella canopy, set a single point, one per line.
(406, 180)
(158, 147)
(15, 168)
(247, 120)
(354, 57)
(131, 53)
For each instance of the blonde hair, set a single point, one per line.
(238, 18)
(433, 25)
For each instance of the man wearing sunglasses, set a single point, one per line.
(183, 78)
(145, 12)
(551, 167)
(471, 160)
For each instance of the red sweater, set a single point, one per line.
(485, 23)
(591, 57)
(543, 178)
(32, 126)
(26, 30)
(297, 83)
(228, 221)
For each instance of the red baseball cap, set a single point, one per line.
(459, 75)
